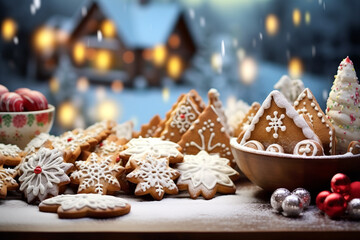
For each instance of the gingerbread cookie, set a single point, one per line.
(124, 130)
(155, 146)
(96, 175)
(110, 148)
(214, 100)
(204, 174)
(245, 123)
(86, 205)
(354, 147)
(43, 174)
(254, 145)
(307, 105)
(308, 148)
(207, 133)
(278, 122)
(10, 154)
(100, 130)
(153, 176)
(275, 148)
(7, 181)
(148, 130)
(185, 113)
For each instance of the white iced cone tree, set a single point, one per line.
(343, 106)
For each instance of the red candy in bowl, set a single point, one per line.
(23, 115)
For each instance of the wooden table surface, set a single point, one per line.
(244, 215)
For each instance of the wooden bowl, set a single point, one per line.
(274, 170)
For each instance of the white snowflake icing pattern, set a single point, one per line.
(93, 173)
(6, 178)
(155, 173)
(275, 123)
(42, 173)
(36, 142)
(9, 150)
(206, 170)
(91, 200)
(183, 118)
(155, 146)
(108, 148)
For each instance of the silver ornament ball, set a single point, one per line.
(292, 206)
(278, 197)
(304, 195)
(353, 208)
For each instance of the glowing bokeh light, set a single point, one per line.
(45, 39)
(165, 94)
(128, 57)
(107, 110)
(82, 84)
(103, 60)
(54, 85)
(108, 28)
(8, 29)
(159, 55)
(147, 54)
(67, 114)
(296, 16)
(79, 52)
(174, 41)
(295, 67)
(117, 86)
(307, 18)
(174, 67)
(100, 93)
(216, 62)
(241, 54)
(248, 70)
(272, 24)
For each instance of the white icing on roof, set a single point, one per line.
(281, 102)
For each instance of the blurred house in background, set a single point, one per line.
(123, 40)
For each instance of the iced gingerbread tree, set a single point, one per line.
(343, 106)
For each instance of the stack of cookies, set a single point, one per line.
(188, 150)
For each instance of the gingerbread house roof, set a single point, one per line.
(274, 123)
(306, 104)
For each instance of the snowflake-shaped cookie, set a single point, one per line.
(7, 181)
(154, 176)
(205, 174)
(43, 173)
(155, 146)
(96, 175)
(183, 118)
(85, 205)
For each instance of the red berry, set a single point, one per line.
(117, 159)
(340, 183)
(335, 205)
(37, 170)
(321, 198)
(182, 116)
(11, 102)
(69, 139)
(354, 190)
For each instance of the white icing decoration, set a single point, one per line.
(154, 173)
(124, 130)
(206, 170)
(183, 118)
(275, 124)
(155, 146)
(258, 144)
(36, 142)
(275, 148)
(6, 177)
(306, 148)
(53, 172)
(95, 173)
(90, 200)
(281, 102)
(108, 148)
(9, 150)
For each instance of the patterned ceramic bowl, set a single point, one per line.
(274, 170)
(20, 127)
